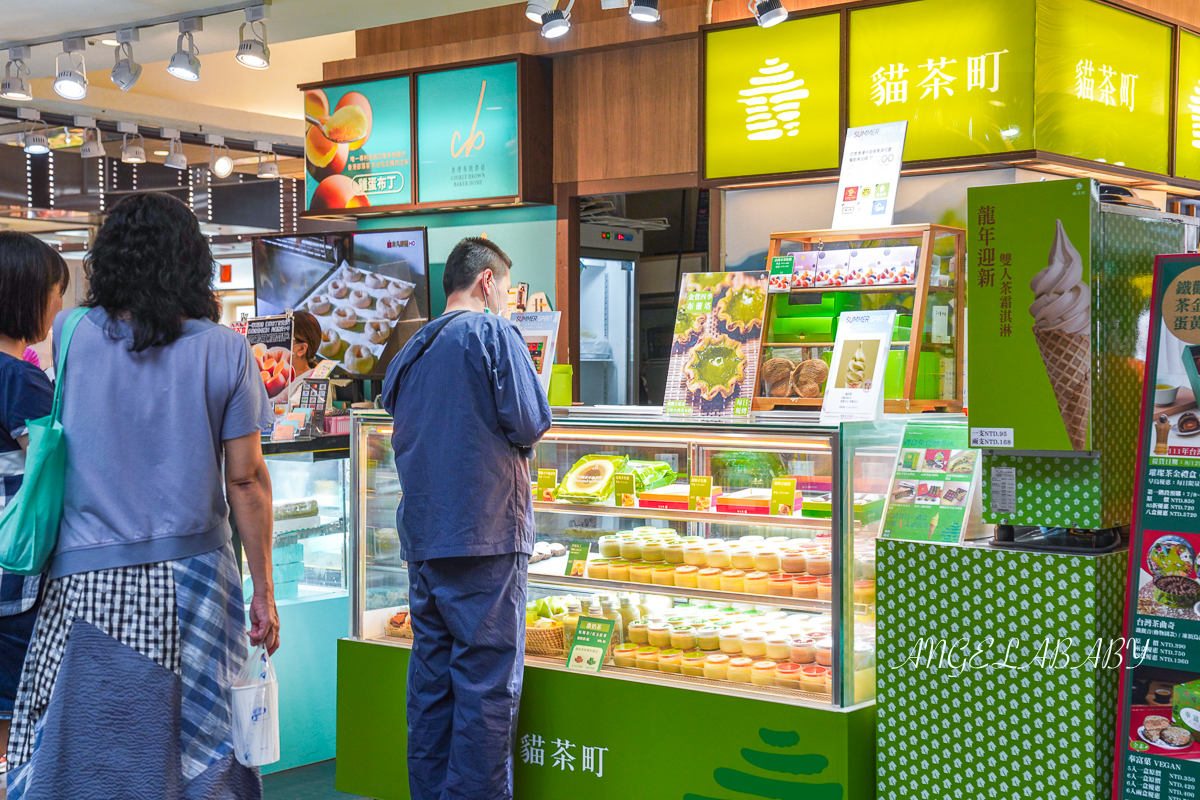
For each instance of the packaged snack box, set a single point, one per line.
(1186, 706)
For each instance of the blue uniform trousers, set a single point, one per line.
(464, 677)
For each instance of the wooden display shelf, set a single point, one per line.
(926, 233)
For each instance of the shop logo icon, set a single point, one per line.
(850, 194)
(475, 139)
(772, 102)
(879, 207)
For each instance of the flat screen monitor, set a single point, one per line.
(369, 290)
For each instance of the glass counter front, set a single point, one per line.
(762, 583)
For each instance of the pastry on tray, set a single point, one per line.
(378, 331)
(374, 281)
(331, 344)
(388, 307)
(715, 367)
(319, 305)
(345, 317)
(360, 299)
(400, 290)
(741, 310)
(338, 289)
(358, 359)
(777, 377)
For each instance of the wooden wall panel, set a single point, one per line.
(626, 113)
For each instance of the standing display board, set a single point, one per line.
(932, 486)
(1158, 731)
(870, 175)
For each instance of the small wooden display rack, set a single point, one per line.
(926, 232)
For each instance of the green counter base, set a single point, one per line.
(608, 739)
(1018, 719)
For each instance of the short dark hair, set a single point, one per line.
(30, 270)
(150, 260)
(305, 328)
(470, 257)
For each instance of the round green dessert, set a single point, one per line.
(716, 367)
(687, 325)
(742, 309)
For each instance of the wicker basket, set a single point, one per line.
(544, 641)
(398, 631)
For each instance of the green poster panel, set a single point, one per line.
(467, 134)
(1103, 77)
(771, 98)
(1022, 235)
(932, 486)
(373, 169)
(959, 71)
(1187, 125)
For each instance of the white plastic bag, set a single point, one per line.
(256, 712)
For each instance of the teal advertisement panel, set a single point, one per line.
(467, 134)
(1159, 733)
(359, 155)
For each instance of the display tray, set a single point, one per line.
(296, 534)
(680, 515)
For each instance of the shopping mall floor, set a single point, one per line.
(313, 782)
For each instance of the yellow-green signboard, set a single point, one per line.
(1103, 77)
(1187, 125)
(771, 100)
(959, 71)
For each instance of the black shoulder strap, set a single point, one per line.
(428, 342)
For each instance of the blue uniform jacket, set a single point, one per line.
(467, 415)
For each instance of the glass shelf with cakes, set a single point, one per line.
(770, 591)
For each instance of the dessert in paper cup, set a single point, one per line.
(804, 269)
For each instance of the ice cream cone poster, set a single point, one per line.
(855, 386)
(1030, 295)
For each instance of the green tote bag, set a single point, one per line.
(29, 522)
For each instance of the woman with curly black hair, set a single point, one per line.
(141, 629)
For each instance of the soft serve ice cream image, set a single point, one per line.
(856, 369)
(1062, 325)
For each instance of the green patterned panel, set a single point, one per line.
(1034, 730)
(1050, 490)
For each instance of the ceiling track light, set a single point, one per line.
(556, 23)
(175, 158)
(36, 143)
(220, 164)
(93, 145)
(768, 12)
(253, 52)
(71, 81)
(185, 64)
(644, 10)
(125, 71)
(15, 87)
(268, 170)
(133, 153)
(536, 9)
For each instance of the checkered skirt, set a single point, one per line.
(187, 616)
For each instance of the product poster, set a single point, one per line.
(866, 195)
(589, 651)
(270, 340)
(854, 390)
(717, 337)
(467, 133)
(1159, 725)
(540, 330)
(933, 485)
(1030, 292)
(359, 154)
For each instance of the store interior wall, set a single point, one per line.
(527, 235)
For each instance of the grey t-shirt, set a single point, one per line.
(144, 480)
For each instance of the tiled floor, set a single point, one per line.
(314, 782)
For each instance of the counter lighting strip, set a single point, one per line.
(790, 603)
(734, 440)
(680, 515)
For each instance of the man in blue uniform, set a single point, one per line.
(468, 409)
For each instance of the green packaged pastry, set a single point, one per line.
(590, 480)
(649, 475)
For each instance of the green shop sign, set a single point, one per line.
(1078, 78)
(467, 133)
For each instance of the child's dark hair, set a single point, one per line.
(30, 270)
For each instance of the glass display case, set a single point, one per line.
(737, 559)
(310, 482)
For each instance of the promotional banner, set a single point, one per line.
(1103, 83)
(866, 195)
(467, 133)
(716, 343)
(854, 390)
(933, 485)
(1187, 124)
(270, 340)
(771, 98)
(960, 72)
(1030, 295)
(1159, 725)
(357, 151)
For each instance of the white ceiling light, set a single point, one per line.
(253, 52)
(644, 10)
(71, 81)
(557, 23)
(15, 87)
(175, 158)
(185, 64)
(536, 9)
(219, 163)
(36, 143)
(266, 169)
(125, 71)
(768, 12)
(93, 146)
(133, 153)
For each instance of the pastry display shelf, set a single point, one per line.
(605, 585)
(886, 288)
(338, 525)
(897, 406)
(679, 515)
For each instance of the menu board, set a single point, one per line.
(715, 347)
(933, 485)
(1158, 732)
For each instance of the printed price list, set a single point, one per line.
(1158, 780)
